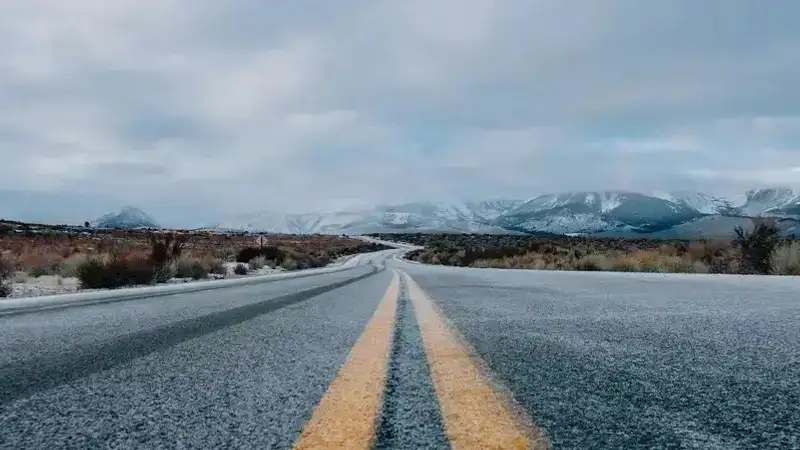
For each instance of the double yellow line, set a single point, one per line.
(475, 415)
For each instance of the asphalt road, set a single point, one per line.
(630, 361)
(590, 360)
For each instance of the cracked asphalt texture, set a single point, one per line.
(599, 360)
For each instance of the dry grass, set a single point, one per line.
(62, 253)
(594, 254)
(786, 260)
(257, 263)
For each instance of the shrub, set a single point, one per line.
(69, 267)
(106, 273)
(257, 263)
(273, 253)
(594, 262)
(198, 271)
(270, 252)
(6, 272)
(39, 271)
(320, 260)
(190, 268)
(163, 253)
(248, 254)
(163, 273)
(215, 266)
(757, 246)
(786, 259)
(289, 263)
(240, 269)
(625, 263)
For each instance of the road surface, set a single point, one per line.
(391, 354)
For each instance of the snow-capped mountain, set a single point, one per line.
(128, 217)
(703, 203)
(600, 212)
(591, 212)
(772, 201)
(475, 217)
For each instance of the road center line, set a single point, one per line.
(347, 414)
(476, 416)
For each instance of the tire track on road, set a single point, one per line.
(18, 380)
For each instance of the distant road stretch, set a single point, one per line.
(390, 354)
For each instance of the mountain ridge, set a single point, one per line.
(129, 217)
(611, 212)
(579, 212)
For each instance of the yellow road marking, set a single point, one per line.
(475, 416)
(346, 416)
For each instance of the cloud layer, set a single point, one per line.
(199, 110)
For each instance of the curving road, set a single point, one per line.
(390, 354)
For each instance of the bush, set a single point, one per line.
(757, 246)
(240, 269)
(257, 263)
(215, 266)
(786, 259)
(37, 272)
(163, 273)
(198, 271)
(289, 264)
(163, 253)
(190, 268)
(248, 254)
(69, 267)
(594, 262)
(270, 252)
(100, 273)
(6, 272)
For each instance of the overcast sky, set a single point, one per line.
(196, 110)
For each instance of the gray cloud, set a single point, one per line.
(195, 111)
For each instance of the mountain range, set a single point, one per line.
(603, 213)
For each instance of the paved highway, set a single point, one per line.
(390, 354)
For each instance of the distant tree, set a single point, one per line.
(757, 246)
(86, 224)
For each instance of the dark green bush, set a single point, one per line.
(116, 272)
(164, 251)
(6, 271)
(198, 271)
(248, 254)
(757, 246)
(193, 269)
(240, 269)
(40, 271)
(270, 252)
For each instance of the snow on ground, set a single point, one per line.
(230, 266)
(44, 285)
(24, 286)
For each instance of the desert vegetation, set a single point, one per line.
(756, 251)
(115, 258)
(6, 271)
